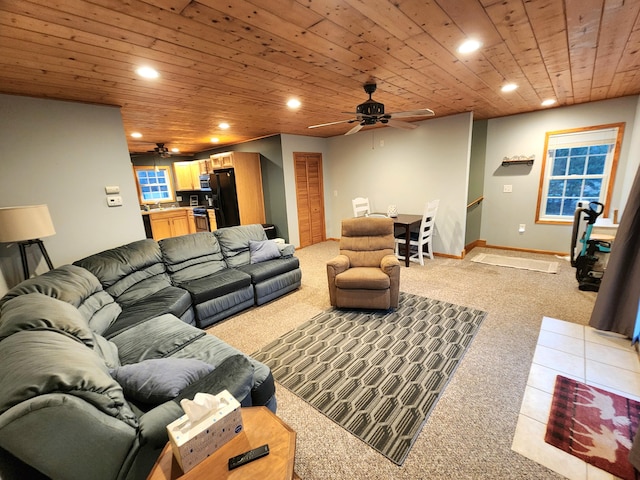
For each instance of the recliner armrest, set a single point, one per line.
(153, 424)
(339, 264)
(389, 264)
(335, 266)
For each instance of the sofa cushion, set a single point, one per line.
(234, 242)
(366, 278)
(158, 380)
(74, 285)
(129, 272)
(168, 335)
(36, 363)
(263, 271)
(171, 300)
(217, 285)
(190, 257)
(263, 250)
(35, 311)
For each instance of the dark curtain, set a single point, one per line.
(616, 306)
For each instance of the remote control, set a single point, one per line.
(249, 456)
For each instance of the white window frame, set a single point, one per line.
(171, 195)
(579, 137)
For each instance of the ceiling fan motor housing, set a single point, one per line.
(370, 107)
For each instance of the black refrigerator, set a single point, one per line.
(225, 197)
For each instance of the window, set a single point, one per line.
(579, 166)
(154, 184)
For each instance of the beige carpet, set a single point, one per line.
(469, 433)
(517, 262)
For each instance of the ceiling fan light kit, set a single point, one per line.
(371, 112)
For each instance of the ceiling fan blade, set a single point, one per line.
(401, 124)
(355, 129)
(425, 112)
(333, 123)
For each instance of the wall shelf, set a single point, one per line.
(518, 160)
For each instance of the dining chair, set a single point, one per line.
(361, 207)
(422, 238)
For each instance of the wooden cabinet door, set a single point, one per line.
(213, 225)
(161, 228)
(192, 221)
(184, 177)
(248, 173)
(222, 160)
(180, 225)
(195, 175)
(310, 198)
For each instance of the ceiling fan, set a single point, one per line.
(371, 112)
(161, 150)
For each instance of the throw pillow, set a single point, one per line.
(263, 250)
(158, 380)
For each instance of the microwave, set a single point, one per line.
(204, 183)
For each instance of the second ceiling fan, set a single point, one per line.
(371, 112)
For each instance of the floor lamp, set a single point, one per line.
(26, 226)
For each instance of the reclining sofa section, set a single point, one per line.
(201, 278)
(63, 332)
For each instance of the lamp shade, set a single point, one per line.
(25, 223)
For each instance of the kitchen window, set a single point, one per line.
(579, 166)
(154, 184)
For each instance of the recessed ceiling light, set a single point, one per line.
(547, 102)
(509, 87)
(224, 125)
(147, 72)
(215, 139)
(469, 46)
(293, 103)
(136, 135)
(175, 150)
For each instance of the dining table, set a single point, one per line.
(407, 221)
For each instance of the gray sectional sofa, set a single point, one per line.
(96, 355)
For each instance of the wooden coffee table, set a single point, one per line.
(260, 426)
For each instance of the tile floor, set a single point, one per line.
(601, 359)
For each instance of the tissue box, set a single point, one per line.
(193, 443)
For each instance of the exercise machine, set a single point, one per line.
(589, 259)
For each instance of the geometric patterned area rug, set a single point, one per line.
(594, 425)
(516, 262)
(378, 374)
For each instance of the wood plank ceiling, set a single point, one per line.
(240, 61)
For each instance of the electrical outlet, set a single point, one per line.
(507, 188)
(521, 228)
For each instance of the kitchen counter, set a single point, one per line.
(168, 209)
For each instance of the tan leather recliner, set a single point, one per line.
(366, 274)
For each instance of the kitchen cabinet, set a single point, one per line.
(192, 221)
(223, 160)
(204, 166)
(187, 175)
(169, 223)
(248, 174)
(212, 220)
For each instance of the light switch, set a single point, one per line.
(507, 188)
